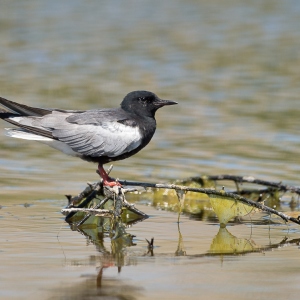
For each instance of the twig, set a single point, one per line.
(88, 199)
(217, 193)
(74, 200)
(250, 179)
(132, 208)
(117, 194)
(102, 202)
(91, 211)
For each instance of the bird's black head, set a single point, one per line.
(144, 103)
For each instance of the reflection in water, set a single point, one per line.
(119, 254)
(119, 238)
(224, 243)
(180, 248)
(234, 67)
(150, 247)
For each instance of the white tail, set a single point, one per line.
(22, 134)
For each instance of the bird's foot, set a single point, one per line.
(107, 181)
(111, 182)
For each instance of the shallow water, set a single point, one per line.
(234, 69)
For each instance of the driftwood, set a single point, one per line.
(117, 194)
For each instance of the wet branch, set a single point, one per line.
(117, 194)
(250, 179)
(90, 211)
(221, 193)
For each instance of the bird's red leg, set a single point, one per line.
(106, 179)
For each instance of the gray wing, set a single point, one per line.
(108, 139)
(96, 133)
(91, 133)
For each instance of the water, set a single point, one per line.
(234, 69)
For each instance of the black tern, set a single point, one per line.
(99, 135)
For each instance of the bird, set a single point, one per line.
(97, 135)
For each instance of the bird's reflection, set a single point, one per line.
(223, 243)
(116, 253)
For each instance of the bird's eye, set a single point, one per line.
(143, 100)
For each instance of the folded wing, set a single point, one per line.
(91, 133)
(108, 139)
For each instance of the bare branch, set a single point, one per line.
(250, 179)
(221, 193)
(117, 195)
(90, 211)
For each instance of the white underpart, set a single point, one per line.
(20, 134)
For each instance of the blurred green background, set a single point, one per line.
(233, 66)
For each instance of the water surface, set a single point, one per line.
(234, 69)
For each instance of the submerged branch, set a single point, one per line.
(221, 193)
(91, 192)
(117, 194)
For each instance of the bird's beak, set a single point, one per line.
(160, 103)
